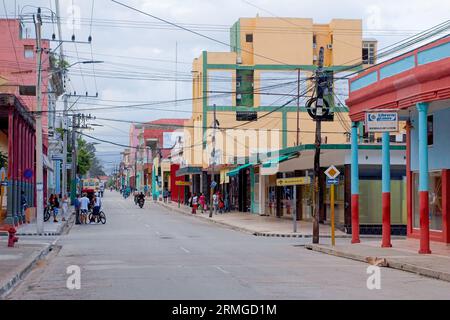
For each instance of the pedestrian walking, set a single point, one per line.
(77, 204)
(165, 195)
(221, 204)
(84, 208)
(64, 207)
(194, 203)
(23, 202)
(202, 202)
(55, 206)
(215, 202)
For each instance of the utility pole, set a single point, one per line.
(135, 167)
(65, 133)
(213, 162)
(73, 189)
(39, 155)
(318, 113)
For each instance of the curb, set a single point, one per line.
(58, 231)
(263, 234)
(25, 268)
(439, 275)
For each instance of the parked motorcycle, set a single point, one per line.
(141, 203)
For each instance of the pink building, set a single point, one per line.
(18, 80)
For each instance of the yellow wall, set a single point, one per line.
(283, 41)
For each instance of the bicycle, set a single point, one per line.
(101, 217)
(48, 212)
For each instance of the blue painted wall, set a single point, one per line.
(439, 152)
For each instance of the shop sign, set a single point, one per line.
(293, 181)
(381, 121)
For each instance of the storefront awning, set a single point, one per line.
(188, 170)
(235, 171)
(276, 161)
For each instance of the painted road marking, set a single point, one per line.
(185, 250)
(222, 270)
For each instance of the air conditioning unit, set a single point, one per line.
(314, 58)
(329, 46)
(239, 60)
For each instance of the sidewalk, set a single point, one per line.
(260, 225)
(50, 228)
(16, 262)
(402, 256)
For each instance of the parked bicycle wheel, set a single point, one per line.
(47, 214)
(102, 217)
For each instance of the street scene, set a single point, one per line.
(203, 150)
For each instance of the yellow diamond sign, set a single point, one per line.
(332, 172)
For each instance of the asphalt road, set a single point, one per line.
(153, 253)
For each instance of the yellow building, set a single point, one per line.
(266, 78)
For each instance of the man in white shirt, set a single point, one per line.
(84, 203)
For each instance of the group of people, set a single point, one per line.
(57, 204)
(219, 203)
(82, 206)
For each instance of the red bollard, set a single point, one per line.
(12, 238)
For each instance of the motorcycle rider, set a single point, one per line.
(141, 197)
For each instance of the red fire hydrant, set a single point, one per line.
(12, 237)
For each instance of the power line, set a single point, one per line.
(196, 33)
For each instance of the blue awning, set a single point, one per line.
(235, 171)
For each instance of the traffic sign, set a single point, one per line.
(332, 181)
(4, 183)
(28, 173)
(293, 181)
(213, 184)
(332, 172)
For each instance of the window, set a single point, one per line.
(430, 130)
(28, 52)
(368, 53)
(249, 37)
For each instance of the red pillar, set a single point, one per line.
(16, 168)
(355, 218)
(386, 217)
(446, 204)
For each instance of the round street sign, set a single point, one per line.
(28, 173)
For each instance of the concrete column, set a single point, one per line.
(386, 192)
(262, 194)
(355, 183)
(423, 179)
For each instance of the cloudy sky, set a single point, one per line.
(139, 52)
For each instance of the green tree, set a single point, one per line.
(86, 159)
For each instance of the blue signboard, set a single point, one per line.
(332, 181)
